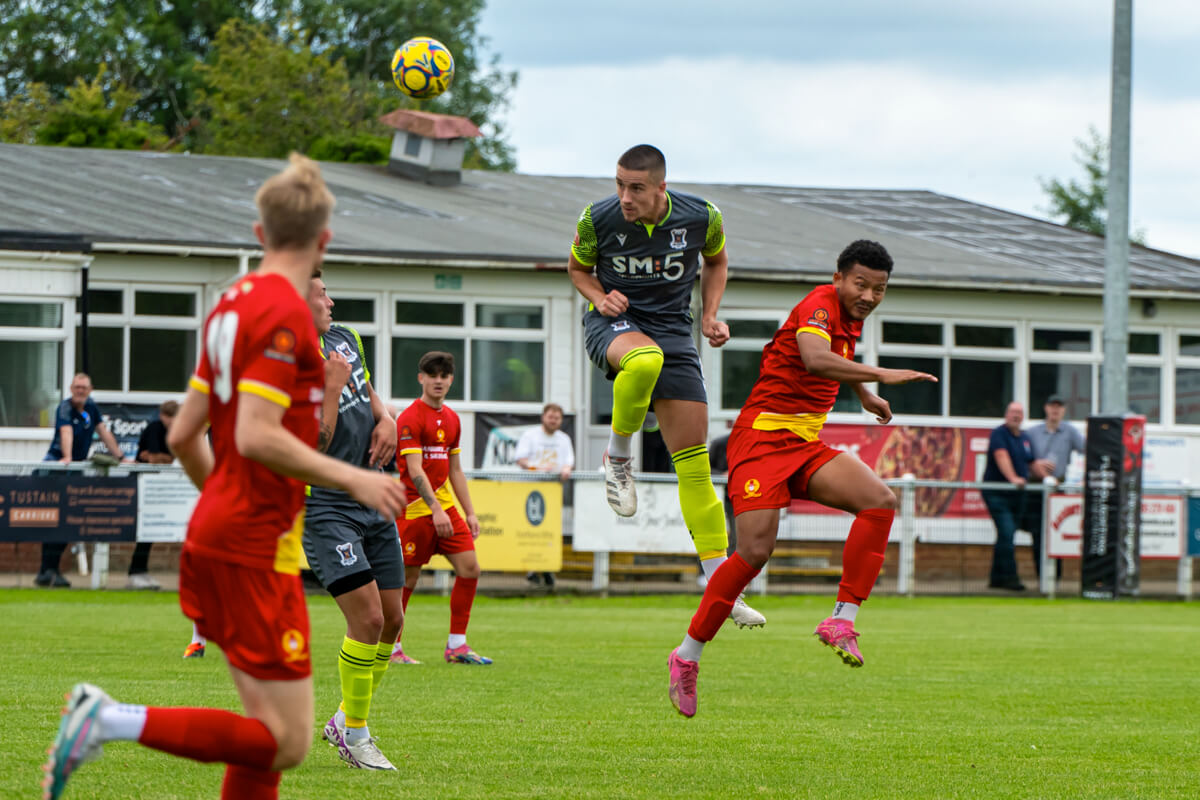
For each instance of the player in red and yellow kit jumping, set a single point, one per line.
(427, 447)
(775, 455)
(259, 384)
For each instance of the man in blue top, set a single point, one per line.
(1010, 458)
(77, 418)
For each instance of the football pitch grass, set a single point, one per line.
(960, 697)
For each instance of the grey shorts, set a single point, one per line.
(342, 542)
(681, 377)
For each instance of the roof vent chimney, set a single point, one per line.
(428, 147)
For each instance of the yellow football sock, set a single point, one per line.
(702, 511)
(383, 657)
(632, 388)
(356, 661)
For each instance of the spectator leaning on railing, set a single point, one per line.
(77, 418)
(1053, 443)
(1010, 458)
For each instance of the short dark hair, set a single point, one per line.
(871, 255)
(169, 408)
(643, 157)
(435, 363)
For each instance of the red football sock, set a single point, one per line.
(210, 734)
(243, 783)
(462, 597)
(405, 593)
(723, 589)
(862, 557)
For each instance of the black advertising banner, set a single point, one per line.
(126, 421)
(1112, 500)
(68, 507)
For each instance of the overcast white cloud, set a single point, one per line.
(977, 103)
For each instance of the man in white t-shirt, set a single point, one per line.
(547, 449)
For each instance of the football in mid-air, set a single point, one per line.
(423, 68)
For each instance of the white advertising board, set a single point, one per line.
(1162, 526)
(165, 503)
(656, 528)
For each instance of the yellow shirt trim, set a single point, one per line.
(288, 549)
(806, 426)
(419, 508)
(264, 391)
(199, 384)
(823, 334)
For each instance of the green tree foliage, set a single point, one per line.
(266, 98)
(88, 116)
(157, 49)
(1083, 205)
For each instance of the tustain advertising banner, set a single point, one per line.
(68, 507)
(520, 526)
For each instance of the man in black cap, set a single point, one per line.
(1053, 443)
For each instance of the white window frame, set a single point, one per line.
(469, 332)
(1176, 362)
(63, 335)
(127, 320)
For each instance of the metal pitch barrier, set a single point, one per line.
(941, 541)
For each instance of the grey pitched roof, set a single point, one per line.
(112, 196)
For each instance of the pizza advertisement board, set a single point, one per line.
(928, 452)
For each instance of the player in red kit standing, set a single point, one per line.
(259, 384)
(427, 448)
(775, 455)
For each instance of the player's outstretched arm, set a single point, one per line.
(458, 481)
(259, 435)
(873, 403)
(186, 437)
(819, 360)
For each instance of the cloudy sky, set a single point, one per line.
(973, 99)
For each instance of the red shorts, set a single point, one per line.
(769, 468)
(420, 541)
(257, 616)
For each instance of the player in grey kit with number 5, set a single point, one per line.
(636, 257)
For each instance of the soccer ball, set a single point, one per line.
(423, 68)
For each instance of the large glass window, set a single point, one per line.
(499, 347)
(980, 388)
(847, 400)
(1145, 392)
(30, 315)
(1189, 344)
(1187, 396)
(140, 339)
(1074, 341)
(983, 336)
(406, 354)
(913, 398)
(738, 361)
(30, 382)
(739, 371)
(912, 332)
(1071, 382)
(32, 341)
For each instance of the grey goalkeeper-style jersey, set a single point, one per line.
(352, 437)
(654, 266)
